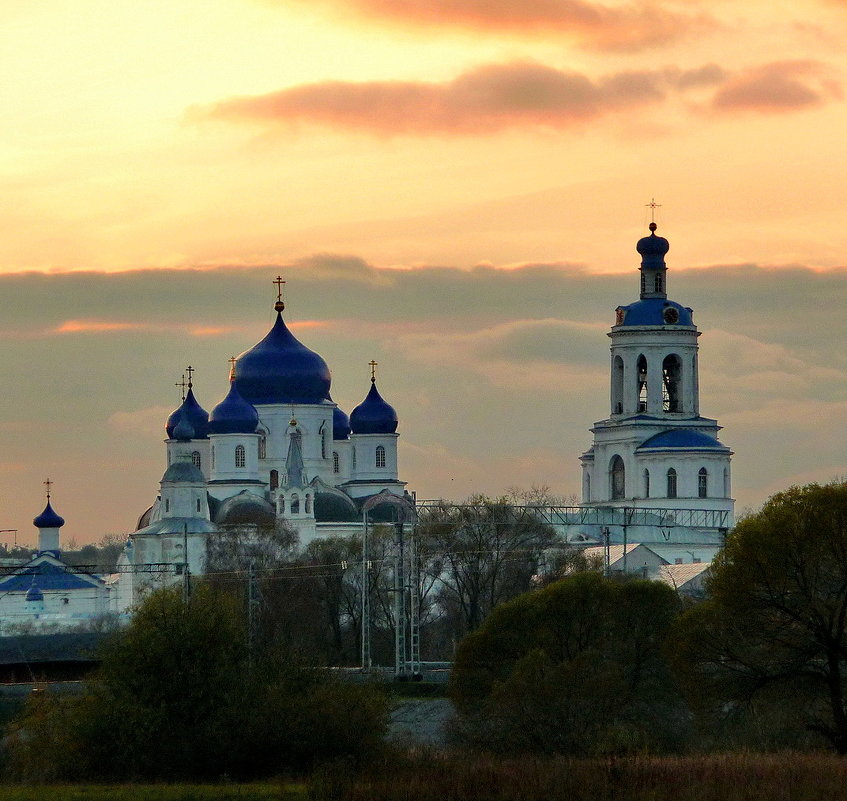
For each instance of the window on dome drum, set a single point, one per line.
(671, 483)
(167, 505)
(380, 456)
(617, 385)
(672, 384)
(263, 447)
(659, 283)
(336, 467)
(240, 459)
(295, 504)
(354, 458)
(588, 487)
(646, 483)
(323, 444)
(274, 479)
(641, 373)
(213, 457)
(195, 459)
(169, 457)
(198, 504)
(643, 282)
(703, 483)
(617, 478)
(725, 483)
(308, 504)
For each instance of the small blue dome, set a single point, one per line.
(655, 311)
(682, 438)
(340, 423)
(373, 415)
(34, 593)
(653, 249)
(197, 416)
(183, 430)
(233, 415)
(281, 369)
(48, 518)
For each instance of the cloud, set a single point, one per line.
(779, 86)
(486, 99)
(632, 26)
(495, 97)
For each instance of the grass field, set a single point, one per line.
(732, 777)
(288, 791)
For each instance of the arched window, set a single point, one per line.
(169, 457)
(617, 385)
(646, 483)
(703, 483)
(308, 504)
(274, 479)
(671, 483)
(659, 283)
(725, 483)
(354, 458)
(336, 467)
(213, 457)
(195, 459)
(323, 444)
(588, 487)
(263, 447)
(295, 504)
(281, 504)
(380, 456)
(641, 375)
(240, 459)
(617, 478)
(167, 504)
(198, 504)
(672, 384)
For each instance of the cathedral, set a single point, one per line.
(277, 447)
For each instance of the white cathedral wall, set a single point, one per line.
(314, 422)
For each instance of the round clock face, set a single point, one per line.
(671, 315)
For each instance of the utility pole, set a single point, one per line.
(186, 573)
(254, 604)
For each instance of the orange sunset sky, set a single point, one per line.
(451, 187)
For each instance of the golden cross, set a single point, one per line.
(182, 384)
(373, 365)
(190, 371)
(232, 368)
(280, 283)
(48, 483)
(652, 205)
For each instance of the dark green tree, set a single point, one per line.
(576, 667)
(176, 697)
(773, 635)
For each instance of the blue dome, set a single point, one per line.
(197, 417)
(340, 423)
(34, 593)
(183, 430)
(682, 438)
(233, 415)
(653, 249)
(373, 415)
(281, 369)
(48, 518)
(652, 311)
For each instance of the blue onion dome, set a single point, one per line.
(198, 417)
(373, 415)
(183, 430)
(340, 423)
(281, 369)
(34, 592)
(233, 415)
(48, 518)
(653, 249)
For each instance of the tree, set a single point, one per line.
(482, 552)
(176, 697)
(576, 667)
(774, 631)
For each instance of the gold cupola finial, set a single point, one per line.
(373, 365)
(280, 285)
